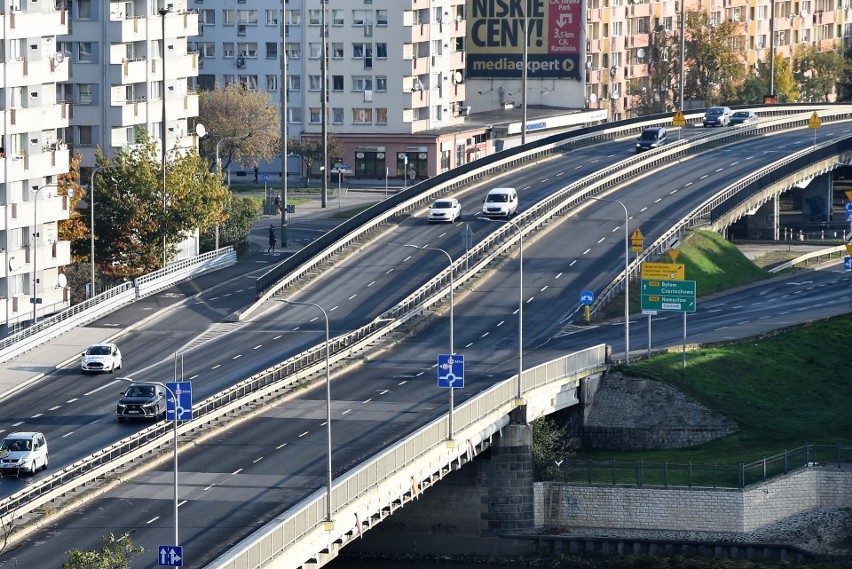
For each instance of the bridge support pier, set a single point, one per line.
(469, 510)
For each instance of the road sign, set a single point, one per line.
(587, 297)
(674, 295)
(266, 177)
(847, 263)
(450, 370)
(183, 391)
(636, 239)
(679, 119)
(663, 271)
(170, 555)
(814, 121)
(848, 211)
(674, 254)
(849, 248)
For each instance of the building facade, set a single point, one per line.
(32, 155)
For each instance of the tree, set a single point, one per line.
(750, 91)
(244, 120)
(712, 57)
(116, 553)
(785, 86)
(134, 214)
(75, 229)
(549, 448)
(844, 83)
(242, 213)
(817, 72)
(310, 150)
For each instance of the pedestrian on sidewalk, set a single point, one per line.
(272, 240)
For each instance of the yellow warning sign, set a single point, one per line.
(814, 121)
(663, 271)
(849, 248)
(849, 196)
(673, 254)
(678, 119)
(636, 240)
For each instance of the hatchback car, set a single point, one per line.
(651, 137)
(743, 117)
(445, 209)
(23, 452)
(717, 116)
(101, 358)
(142, 401)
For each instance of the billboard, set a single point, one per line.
(495, 36)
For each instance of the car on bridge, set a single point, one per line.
(445, 209)
(101, 358)
(743, 117)
(500, 202)
(23, 452)
(651, 137)
(717, 116)
(142, 401)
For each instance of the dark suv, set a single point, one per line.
(651, 137)
(142, 401)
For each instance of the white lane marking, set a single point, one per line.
(384, 391)
(209, 487)
(543, 288)
(238, 356)
(704, 176)
(403, 382)
(719, 169)
(18, 423)
(643, 209)
(484, 335)
(353, 296)
(334, 308)
(68, 434)
(586, 252)
(193, 377)
(367, 400)
(516, 311)
(686, 185)
(501, 323)
(282, 445)
(101, 388)
(571, 264)
(257, 346)
(419, 374)
(658, 200)
(303, 434)
(255, 461)
(530, 300)
(673, 192)
(614, 229)
(72, 400)
(237, 471)
(278, 336)
(558, 275)
(469, 345)
(407, 258)
(314, 319)
(152, 520)
(601, 240)
(55, 407)
(734, 163)
(216, 366)
(389, 271)
(371, 284)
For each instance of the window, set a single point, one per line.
(84, 9)
(360, 17)
(247, 17)
(315, 50)
(381, 50)
(358, 50)
(294, 115)
(249, 82)
(207, 49)
(294, 82)
(228, 79)
(84, 52)
(271, 82)
(85, 94)
(227, 17)
(616, 29)
(293, 17)
(272, 17)
(206, 82)
(84, 135)
(314, 18)
(381, 116)
(207, 17)
(362, 83)
(337, 115)
(337, 82)
(337, 51)
(294, 50)
(271, 50)
(314, 82)
(248, 49)
(381, 17)
(362, 116)
(382, 84)
(316, 115)
(761, 12)
(228, 49)
(337, 17)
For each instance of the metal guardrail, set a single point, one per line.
(830, 252)
(705, 476)
(361, 493)
(112, 299)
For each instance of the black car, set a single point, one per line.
(142, 401)
(651, 137)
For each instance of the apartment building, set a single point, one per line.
(32, 155)
(130, 69)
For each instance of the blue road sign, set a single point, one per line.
(847, 263)
(266, 177)
(848, 207)
(170, 555)
(450, 370)
(183, 391)
(587, 297)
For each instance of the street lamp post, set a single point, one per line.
(626, 277)
(35, 249)
(329, 522)
(163, 12)
(452, 326)
(524, 74)
(520, 394)
(174, 447)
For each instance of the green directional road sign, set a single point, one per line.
(678, 296)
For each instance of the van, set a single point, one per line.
(500, 202)
(652, 137)
(23, 452)
(717, 116)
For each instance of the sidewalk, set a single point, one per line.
(309, 221)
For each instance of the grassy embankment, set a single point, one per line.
(783, 391)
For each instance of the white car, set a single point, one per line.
(445, 209)
(101, 358)
(23, 452)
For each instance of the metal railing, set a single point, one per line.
(706, 476)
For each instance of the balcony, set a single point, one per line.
(29, 71)
(40, 22)
(27, 165)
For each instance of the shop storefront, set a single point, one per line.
(370, 162)
(414, 161)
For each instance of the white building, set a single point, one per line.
(32, 157)
(118, 63)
